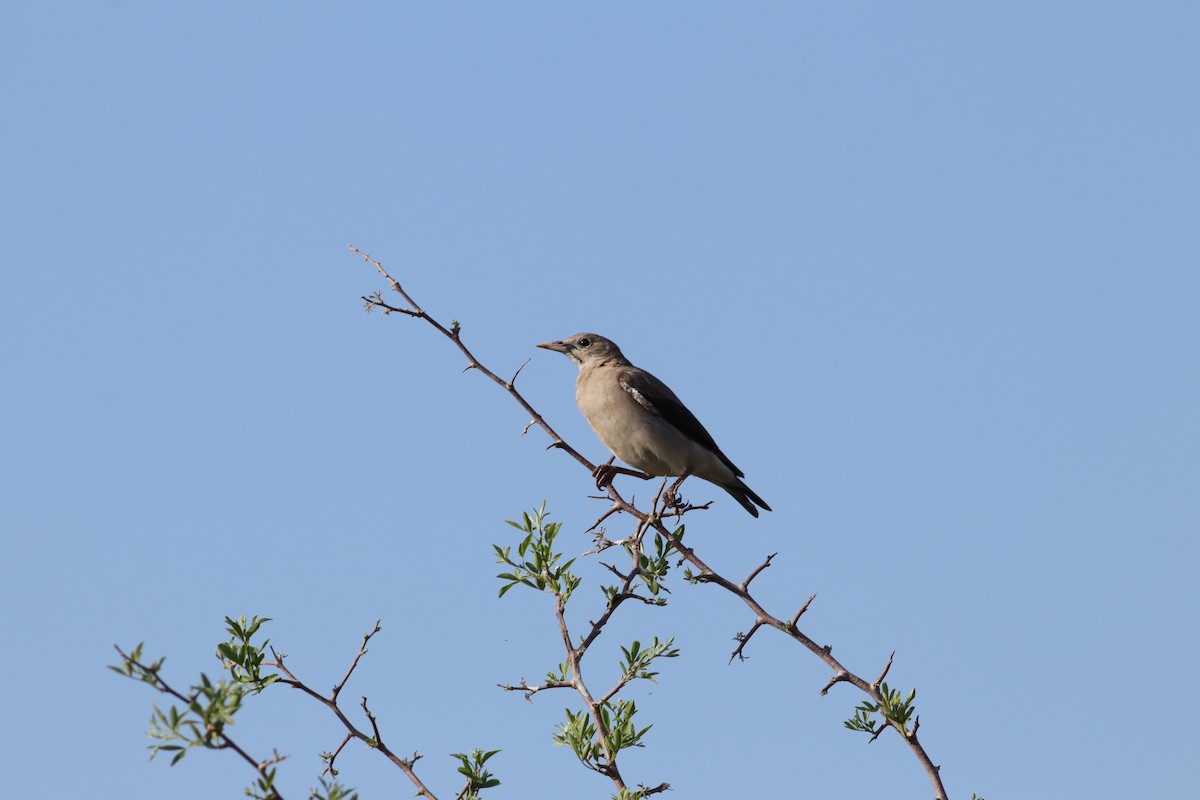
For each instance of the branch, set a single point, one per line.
(841, 674)
(742, 639)
(454, 335)
(886, 667)
(331, 757)
(530, 691)
(575, 657)
(746, 583)
(406, 765)
(150, 674)
(362, 651)
(803, 608)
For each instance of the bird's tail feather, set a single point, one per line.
(744, 495)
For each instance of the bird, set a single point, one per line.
(644, 423)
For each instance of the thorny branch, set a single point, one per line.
(453, 334)
(650, 520)
(373, 739)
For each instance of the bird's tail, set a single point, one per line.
(745, 495)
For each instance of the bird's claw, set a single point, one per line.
(604, 475)
(671, 499)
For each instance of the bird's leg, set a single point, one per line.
(671, 498)
(607, 471)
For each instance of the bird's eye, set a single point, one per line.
(585, 342)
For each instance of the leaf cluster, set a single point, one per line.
(478, 777)
(895, 708)
(243, 659)
(209, 706)
(638, 659)
(579, 733)
(652, 568)
(537, 565)
(202, 715)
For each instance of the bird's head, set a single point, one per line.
(586, 348)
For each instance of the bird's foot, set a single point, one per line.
(604, 474)
(671, 498)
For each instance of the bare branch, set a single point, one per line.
(613, 510)
(742, 639)
(886, 667)
(836, 679)
(329, 770)
(361, 652)
(454, 335)
(353, 731)
(760, 568)
(378, 740)
(530, 691)
(513, 380)
(803, 608)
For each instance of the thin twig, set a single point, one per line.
(329, 770)
(472, 362)
(362, 651)
(760, 568)
(530, 691)
(742, 639)
(513, 380)
(612, 510)
(886, 667)
(353, 731)
(803, 608)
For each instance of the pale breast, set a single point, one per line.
(639, 437)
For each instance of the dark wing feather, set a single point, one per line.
(657, 398)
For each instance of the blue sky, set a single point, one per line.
(927, 271)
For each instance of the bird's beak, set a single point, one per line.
(558, 347)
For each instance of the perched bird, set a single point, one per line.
(643, 423)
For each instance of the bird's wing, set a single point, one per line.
(657, 398)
